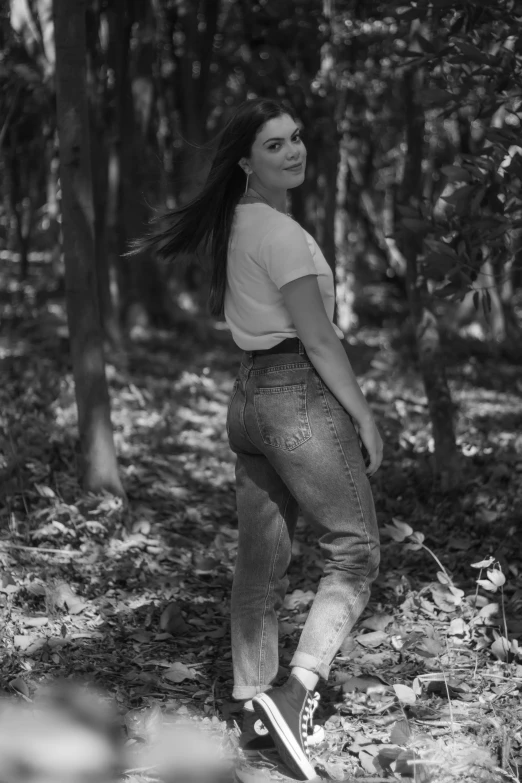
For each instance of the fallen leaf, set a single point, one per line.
(374, 659)
(203, 564)
(400, 733)
(377, 622)
(6, 581)
(140, 636)
(143, 723)
(44, 491)
(172, 620)
(457, 627)
(335, 771)
(500, 648)
(430, 646)
(405, 767)
(366, 761)
(34, 622)
(299, 599)
(23, 642)
(348, 646)
(286, 628)
(19, 685)
(36, 588)
(179, 672)
(61, 596)
(387, 755)
(444, 597)
(372, 639)
(405, 694)
(362, 684)
(219, 633)
(36, 645)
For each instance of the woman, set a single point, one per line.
(294, 420)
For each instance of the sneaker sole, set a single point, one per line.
(285, 741)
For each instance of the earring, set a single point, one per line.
(246, 184)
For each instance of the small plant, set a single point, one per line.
(502, 647)
(400, 531)
(447, 596)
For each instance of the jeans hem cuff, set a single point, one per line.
(248, 691)
(310, 662)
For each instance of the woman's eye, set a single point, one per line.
(295, 139)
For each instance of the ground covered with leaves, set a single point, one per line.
(136, 600)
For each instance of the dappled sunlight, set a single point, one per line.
(412, 190)
(137, 599)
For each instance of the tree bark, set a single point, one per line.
(194, 57)
(99, 166)
(144, 294)
(381, 237)
(446, 462)
(100, 471)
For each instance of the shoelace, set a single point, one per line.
(308, 714)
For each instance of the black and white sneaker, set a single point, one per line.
(287, 713)
(254, 734)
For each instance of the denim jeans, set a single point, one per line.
(296, 447)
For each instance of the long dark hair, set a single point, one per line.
(207, 219)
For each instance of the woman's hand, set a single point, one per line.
(369, 434)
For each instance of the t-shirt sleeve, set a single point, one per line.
(285, 254)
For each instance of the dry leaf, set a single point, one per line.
(61, 596)
(179, 672)
(500, 648)
(23, 642)
(400, 733)
(372, 639)
(377, 622)
(299, 599)
(19, 685)
(34, 622)
(172, 621)
(405, 694)
(362, 684)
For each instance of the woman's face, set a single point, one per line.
(278, 156)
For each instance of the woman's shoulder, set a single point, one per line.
(265, 221)
(258, 210)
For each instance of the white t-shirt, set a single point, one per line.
(268, 249)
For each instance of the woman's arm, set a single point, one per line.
(305, 305)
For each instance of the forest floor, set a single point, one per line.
(136, 601)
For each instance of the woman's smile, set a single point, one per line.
(296, 168)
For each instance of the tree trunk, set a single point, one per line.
(99, 166)
(447, 463)
(327, 182)
(143, 292)
(194, 57)
(22, 207)
(379, 229)
(100, 471)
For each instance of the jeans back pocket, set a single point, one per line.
(282, 416)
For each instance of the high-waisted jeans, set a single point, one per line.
(296, 447)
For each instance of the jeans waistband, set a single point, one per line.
(290, 345)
